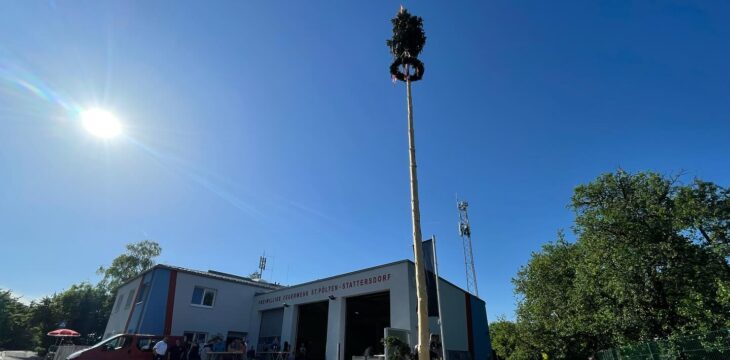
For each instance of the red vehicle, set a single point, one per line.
(123, 347)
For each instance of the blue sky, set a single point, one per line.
(272, 126)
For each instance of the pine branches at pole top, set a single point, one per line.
(405, 46)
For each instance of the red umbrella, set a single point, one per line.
(64, 333)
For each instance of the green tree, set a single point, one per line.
(83, 307)
(650, 261)
(139, 257)
(546, 308)
(637, 233)
(14, 333)
(43, 316)
(504, 336)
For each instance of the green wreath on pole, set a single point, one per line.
(405, 46)
(417, 65)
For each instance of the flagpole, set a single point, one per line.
(438, 297)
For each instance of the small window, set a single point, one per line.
(146, 344)
(142, 292)
(119, 302)
(203, 297)
(130, 297)
(116, 343)
(195, 336)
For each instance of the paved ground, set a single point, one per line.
(18, 355)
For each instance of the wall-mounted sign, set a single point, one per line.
(331, 289)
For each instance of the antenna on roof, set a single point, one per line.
(262, 263)
(262, 266)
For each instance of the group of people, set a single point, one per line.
(190, 350)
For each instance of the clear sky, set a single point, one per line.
(254, 126)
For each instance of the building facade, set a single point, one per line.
(334, 318)
(178, 301)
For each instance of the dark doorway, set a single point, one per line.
(312, 330)
(367, 317)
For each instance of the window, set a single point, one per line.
(194, 336)
(146, 344)
(130, 297)
(203, 297)
(118, 303)
(116, 343)
(142, 292)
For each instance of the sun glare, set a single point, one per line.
(101, 123)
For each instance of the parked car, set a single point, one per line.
(123, 347)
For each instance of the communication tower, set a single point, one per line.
(262, 266)
(465, 233)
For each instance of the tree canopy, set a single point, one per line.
(83, 307)
(650, 260)
(138, 258)
(405, 46)
(13, 319)
(408, 35)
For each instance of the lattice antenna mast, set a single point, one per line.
(465, 233)
(257, 275)
(262, 264)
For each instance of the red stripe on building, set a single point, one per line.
(469, 326)
(170, 301)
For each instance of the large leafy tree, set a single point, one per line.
(139, 257)
(504, 336)
(14, 333)
(650, 261)
(83, 307)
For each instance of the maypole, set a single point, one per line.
(405, 46)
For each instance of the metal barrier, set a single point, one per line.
(710, 346)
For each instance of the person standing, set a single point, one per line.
(208, 347)
(244, 348)
(302, 353)
(194, 351)
(177, 351)
(160, 349)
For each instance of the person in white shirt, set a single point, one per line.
(160, 349)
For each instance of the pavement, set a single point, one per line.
(18, 355)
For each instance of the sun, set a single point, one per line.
(101, 123)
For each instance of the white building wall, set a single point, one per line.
(231, 310)
(119, 315)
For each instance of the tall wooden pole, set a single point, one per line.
(423, 330)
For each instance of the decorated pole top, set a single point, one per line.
(405, 46)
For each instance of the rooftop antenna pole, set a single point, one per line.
(465, 233)
(262, 265)
(258, 275)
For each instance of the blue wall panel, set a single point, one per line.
(480, 329)
(153, 317)
(139, 303)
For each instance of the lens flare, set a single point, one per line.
(101, 123)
